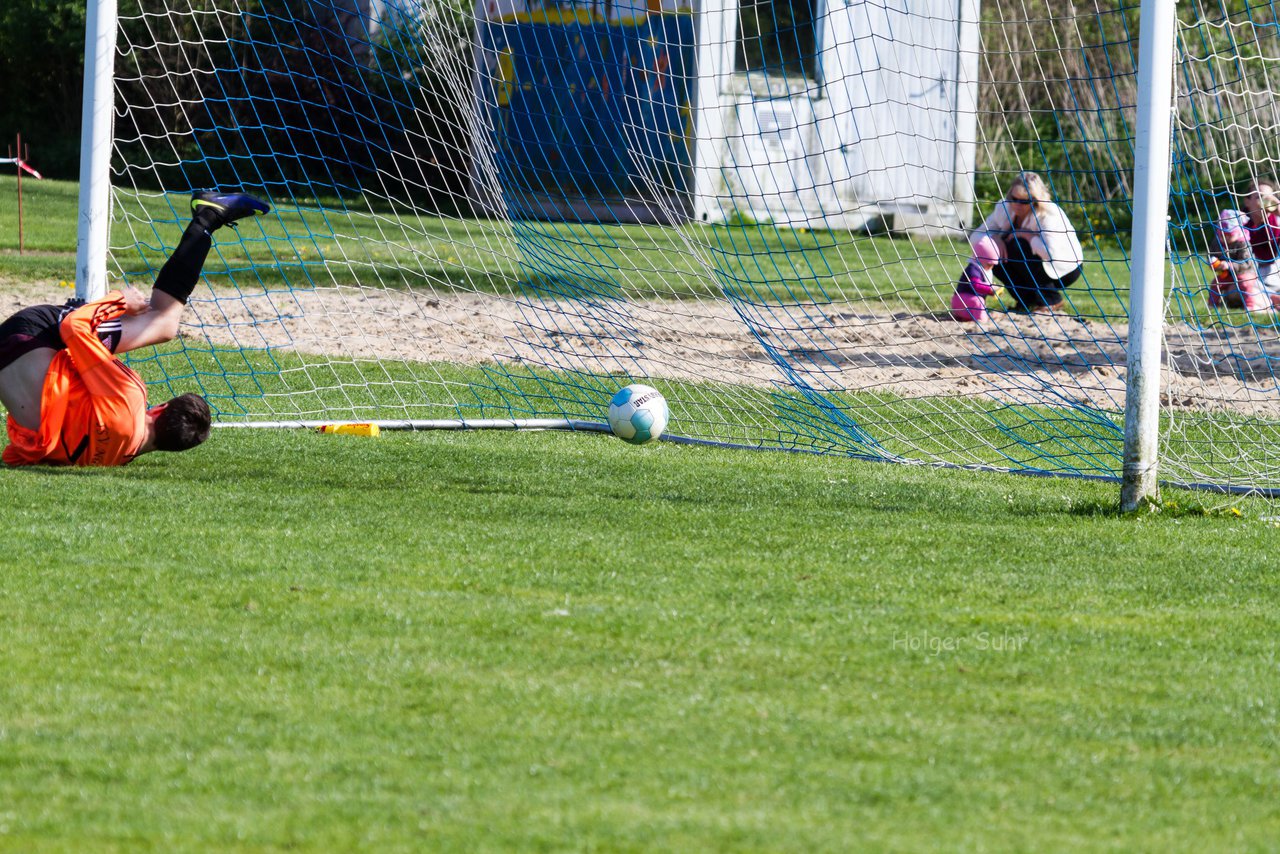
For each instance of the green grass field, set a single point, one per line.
(550, 642)
(461, 642)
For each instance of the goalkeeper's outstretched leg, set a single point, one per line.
(179, 275)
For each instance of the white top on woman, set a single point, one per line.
(1048, 230)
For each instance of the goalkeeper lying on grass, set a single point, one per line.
(70, 400)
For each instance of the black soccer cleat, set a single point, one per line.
(227, 207)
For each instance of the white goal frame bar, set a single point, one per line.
(1152, 149)
(96, 141)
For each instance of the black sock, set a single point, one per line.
(208, 217)
(179, 275)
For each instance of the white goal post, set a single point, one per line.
(95, 149)
(1150, 240)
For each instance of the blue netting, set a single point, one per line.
(515, 209)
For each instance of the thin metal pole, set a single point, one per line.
(95, 149)
(1140, 485)
(22, 243)
(430, 424)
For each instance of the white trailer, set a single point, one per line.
(886, 131)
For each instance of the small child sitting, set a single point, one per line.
(969, 302)
(1237, 284)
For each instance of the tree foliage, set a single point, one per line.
(41, 77)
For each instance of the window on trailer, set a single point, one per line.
(778, 37)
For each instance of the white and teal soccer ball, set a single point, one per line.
(638, 414)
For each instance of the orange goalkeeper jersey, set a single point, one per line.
(93, 408)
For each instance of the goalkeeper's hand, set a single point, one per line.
(135, 302)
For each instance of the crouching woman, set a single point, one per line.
(1041, 252)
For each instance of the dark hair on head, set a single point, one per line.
(183, 424)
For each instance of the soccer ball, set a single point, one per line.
(638, 414)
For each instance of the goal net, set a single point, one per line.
(512, 209)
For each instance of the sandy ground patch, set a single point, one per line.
(1014, 358)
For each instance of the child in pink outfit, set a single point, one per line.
(1237, 284)
(969, 302)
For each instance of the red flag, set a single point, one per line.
(22, 164)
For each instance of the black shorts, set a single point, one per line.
(37, 327)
